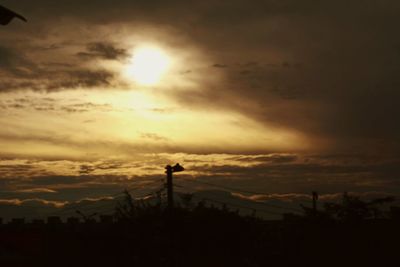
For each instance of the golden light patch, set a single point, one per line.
(148, 65)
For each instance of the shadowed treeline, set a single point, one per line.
(139, 233)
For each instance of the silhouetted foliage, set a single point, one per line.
(353, 209)
(186, 200)
(127, 208)
(200, 234)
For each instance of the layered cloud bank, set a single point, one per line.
(286, 177)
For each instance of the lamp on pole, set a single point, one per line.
(170, 187)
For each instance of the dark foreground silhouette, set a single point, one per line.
(7, 15)
(151, 235)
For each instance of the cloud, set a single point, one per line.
(36, 190)
(220, 66)
(86, 107)
(52, 105)
(29, 202)
(38, 79)
(82, 79)
(154, 137)
(86, 169)
(278, 182)
(95, 199)
(266, 174)
(13, 62)
(103, 51)
(272, 158)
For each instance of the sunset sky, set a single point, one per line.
(277, 97)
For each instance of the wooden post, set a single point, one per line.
(170, 186)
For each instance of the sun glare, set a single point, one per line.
(148, 65)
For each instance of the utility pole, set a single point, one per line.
(170, 186)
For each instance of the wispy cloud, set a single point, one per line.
(103, 51)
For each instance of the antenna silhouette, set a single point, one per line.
(7, 15)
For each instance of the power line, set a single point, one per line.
(96, 208)
(240, 206)
(82, 205)
(225, 187)
(229, 188)
(320, 201)
(247, 192)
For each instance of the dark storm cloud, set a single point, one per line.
(328, 69)
(301, 174)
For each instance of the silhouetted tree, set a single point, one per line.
(187, 200)
(126, 209)
(353, 209)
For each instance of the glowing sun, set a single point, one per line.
(148, 65)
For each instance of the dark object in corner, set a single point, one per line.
(7, 15)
